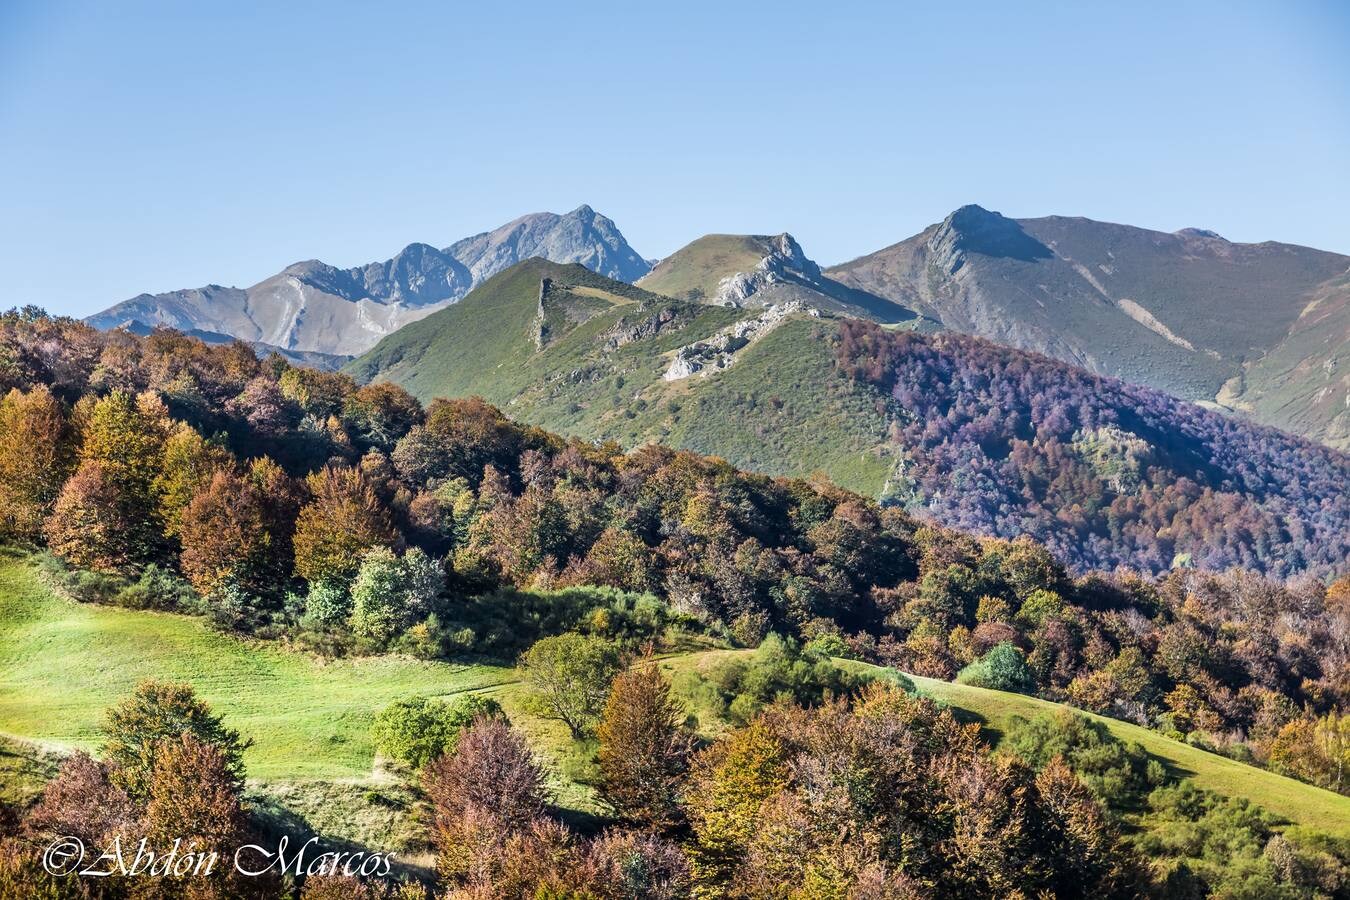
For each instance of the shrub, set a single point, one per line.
(1119, 774)
(1001, 669)
(780, 669)
(419, 729)
(327, 604)
(157, 588)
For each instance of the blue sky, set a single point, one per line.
(146, 147)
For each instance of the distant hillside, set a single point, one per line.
(980, 436)
(314, 307)
(1303, 383)
(760, 270)
(1260, 327)
(327, 362)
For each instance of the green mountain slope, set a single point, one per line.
(779, 406)
(1303, 384)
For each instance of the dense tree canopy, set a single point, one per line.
(1103, 472)
(271, 488)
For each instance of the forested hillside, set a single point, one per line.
(1103, 472)
(956, 430)
(294, 505)
(294, 502)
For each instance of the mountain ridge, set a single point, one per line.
(744, 270)
(312, 306)
(1186, 312)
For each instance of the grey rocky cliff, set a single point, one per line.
(720, 351)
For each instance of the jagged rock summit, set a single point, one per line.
(755, 270)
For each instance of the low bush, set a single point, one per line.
(420, 729)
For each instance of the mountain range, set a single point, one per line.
(314, 307)
(1260, 330)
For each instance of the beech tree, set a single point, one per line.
(36, 457)
(225, 537)
(381, 413)
(488, 790)
(107, 516)
(571, 675)
(341, 521)
(193, 795)
(643, 754)
(728, 783)
(156, 711)
(91, 525)
(189, 463)
(82, 801)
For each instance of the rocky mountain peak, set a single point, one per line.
(974, 229)
(785, 262)
(418, 274)
(581, 236)
(1201, 233)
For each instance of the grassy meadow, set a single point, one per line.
(63, 663)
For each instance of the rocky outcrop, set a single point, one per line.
(974, 229)
(540, 320)
(625, 333)
(785, 263)
(719, 352)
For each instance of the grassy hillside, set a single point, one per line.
(1291, 800)
(693, 271)
(63, 663)
(1303, 384)
(309, 718)
(780, 409)
(481, 340)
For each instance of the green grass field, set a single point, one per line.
(63, 663)
(1293, 800)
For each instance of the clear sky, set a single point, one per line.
(147, 147)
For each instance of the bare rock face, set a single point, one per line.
(624, 333)
(312, 306)
(786, 263)
(720, 352)
(973, 229)
(582, 236)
